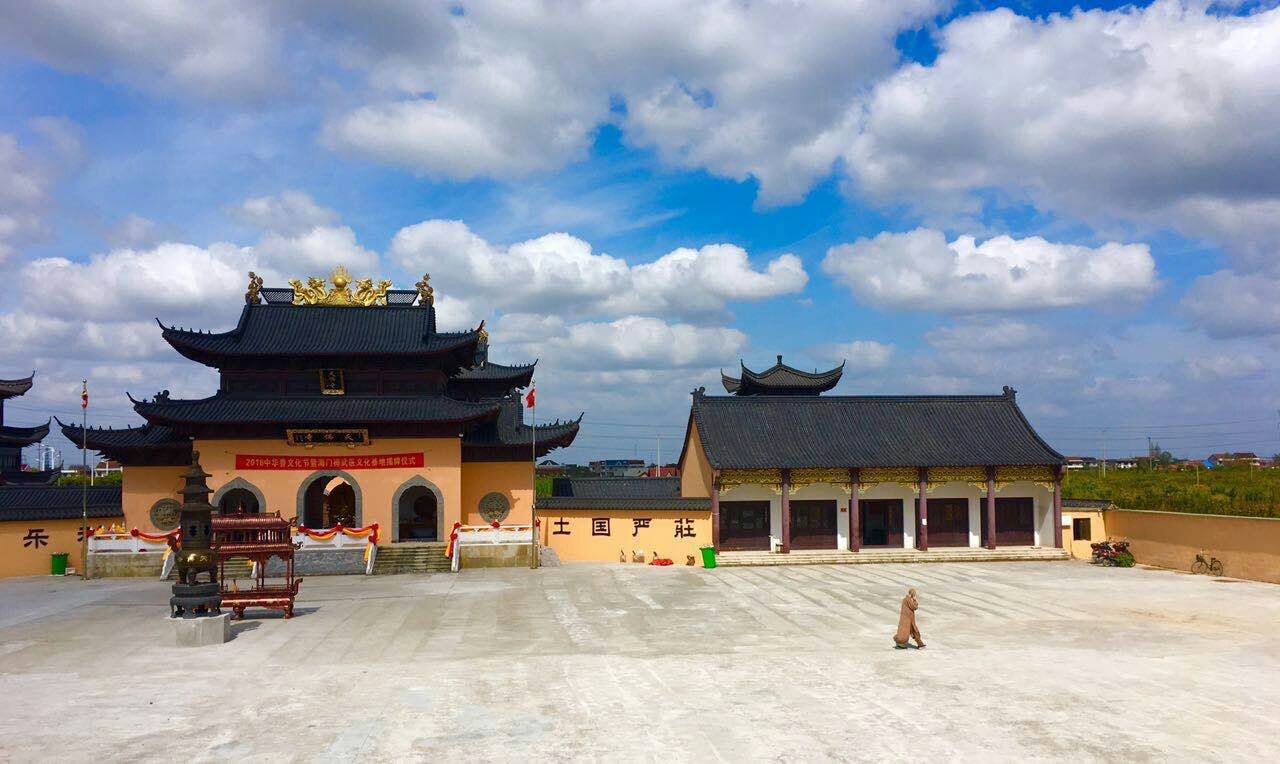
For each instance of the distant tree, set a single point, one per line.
(111, 478)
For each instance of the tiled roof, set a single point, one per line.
(761, 432)
(1068, 503)
(781, 379)
(146, 437)
(312, 330)
(23, 436)
(510, 430)
(13, 387)
(29, 477)
(326, 411)
(57, 502)
(619, 493)
(628, 503)
(495, 372)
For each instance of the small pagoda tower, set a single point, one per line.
(193, 598)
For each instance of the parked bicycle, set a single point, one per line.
(1212, 566)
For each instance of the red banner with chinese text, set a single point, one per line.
(379, 462)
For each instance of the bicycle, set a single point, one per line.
(1212, 566)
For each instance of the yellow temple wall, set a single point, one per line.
(442, 460)
(19, 557)
(660, 537)
(515, 479)
(695, 472)
(141, 487)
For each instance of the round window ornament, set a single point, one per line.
(495, 507)
(164, 514)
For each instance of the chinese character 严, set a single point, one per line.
(638, 523)
(684, 528)
(600, 526)
(35, 537)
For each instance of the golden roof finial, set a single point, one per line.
(482, 334)
(253, 296)
(426, 295)
(314, 292)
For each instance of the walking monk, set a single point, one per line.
(907, 628)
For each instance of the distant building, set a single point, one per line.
(619, 467)
(665, 470)
(1235, 459)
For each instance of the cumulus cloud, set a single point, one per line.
(288, 213)
(630, 342)
(920, 270)
(559, 272)
(1003, 334)
(28, 172)
(219, 49)
(1229, 304)
(1168, 114)
(860, 356)
(1214, 368)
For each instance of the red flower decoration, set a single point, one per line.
(494, 524)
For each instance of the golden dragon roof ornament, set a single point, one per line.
(340, 295)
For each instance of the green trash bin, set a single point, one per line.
(708, 557)
(59, 565)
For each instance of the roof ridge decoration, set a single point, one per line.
(426, 294)
(254, 295)
(339, 295)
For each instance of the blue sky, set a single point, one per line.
(951, 197)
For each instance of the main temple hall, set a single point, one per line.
(339, 404)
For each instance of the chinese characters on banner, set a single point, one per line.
(385, 461)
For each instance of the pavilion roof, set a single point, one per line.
(148, 444)
(10, 388)
(46, 502)
(510, 430)
(312, 411)
(29, 477)
(769, 432)
(22, 436)
(781, 379)
(518, 375)
(272, 330)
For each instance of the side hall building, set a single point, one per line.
(339, 404)
(788, 468)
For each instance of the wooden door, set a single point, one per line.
(744, 526)
(881, 522)
(1015, 522)
(949, 522)
(813, 524)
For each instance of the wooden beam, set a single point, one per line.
(922, 512)
(991, 507)
(1057, 508)
(715, 508)
(855, 515)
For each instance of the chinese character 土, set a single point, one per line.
(36, 537)
(638, 523)
(600, 526)
(562, 527)
(684, 528)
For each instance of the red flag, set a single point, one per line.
(529, 398)
(84, 395)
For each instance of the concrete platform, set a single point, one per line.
(201, 632)
(881, 555)
(1058, 660)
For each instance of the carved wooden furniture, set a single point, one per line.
(257, 538)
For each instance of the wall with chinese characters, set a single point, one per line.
(377, 470)
(26, 545)
(606, 535)
(513, 479)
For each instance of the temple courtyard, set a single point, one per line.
(610, 661)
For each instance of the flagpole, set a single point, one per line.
(533, 512)
(84, 486)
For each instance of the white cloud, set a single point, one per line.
(1215, 368)
(316, 252)
(219, 49)
(1229, 304)
(629, 342)
(289, 213)
(1168, 114)
(28, 173)
(1003, 334)
(920, 270)
(860, 356)
(559, 272)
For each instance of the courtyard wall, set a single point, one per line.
(26, 545)
(1249, 547)
(575, 534)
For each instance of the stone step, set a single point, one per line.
(424, 557)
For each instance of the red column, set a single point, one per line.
(991, 507)
(786, 511)
(715, 509)
(855, 517)
(922, 512)
(1057, 509)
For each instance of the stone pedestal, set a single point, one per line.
(198, 632)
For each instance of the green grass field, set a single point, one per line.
(1249, 492)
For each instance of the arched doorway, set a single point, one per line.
(417, 505)
(239, 500)
(326, 499)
